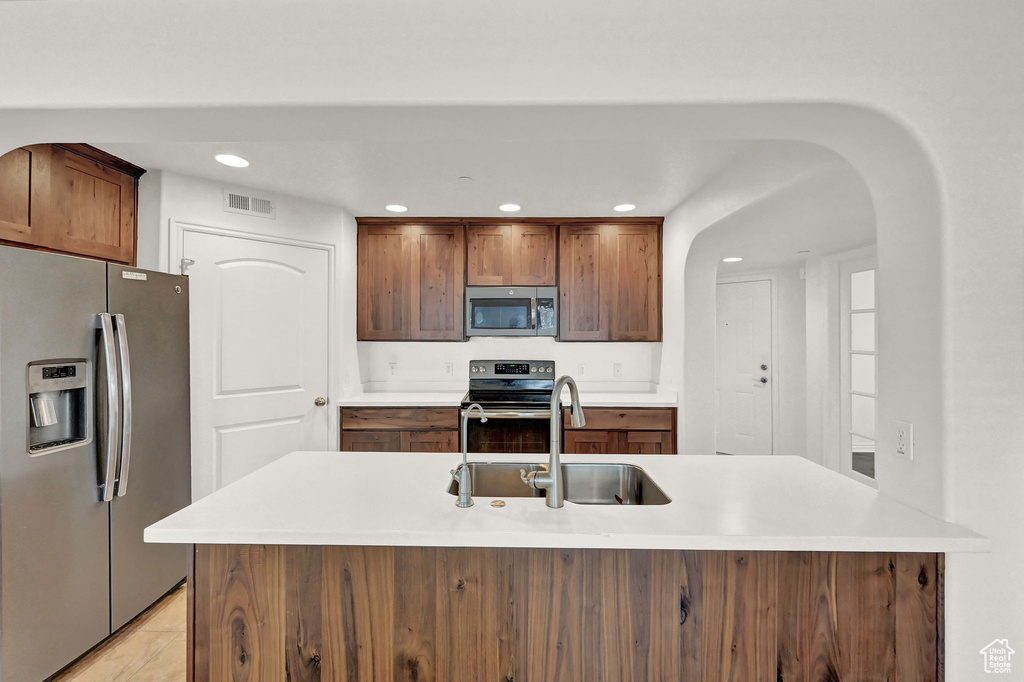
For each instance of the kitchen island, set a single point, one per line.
(358, 566)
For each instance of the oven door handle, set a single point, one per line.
(509, 414)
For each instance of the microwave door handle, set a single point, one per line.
(533, 313)
(112, 444)
(126, 404)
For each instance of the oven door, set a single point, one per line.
(509, 431)
(501, 311)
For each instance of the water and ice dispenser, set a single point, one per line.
(58, 405)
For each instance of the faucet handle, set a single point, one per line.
(527, 478)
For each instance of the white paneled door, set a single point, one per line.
(259, 333)
(743, 424)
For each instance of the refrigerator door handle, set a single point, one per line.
(113, 408)
(126, 403)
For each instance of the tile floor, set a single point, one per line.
(151, 648)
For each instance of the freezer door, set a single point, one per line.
(154, 477)
(54, 597)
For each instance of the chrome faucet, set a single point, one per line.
(551, 480)
(461, 473)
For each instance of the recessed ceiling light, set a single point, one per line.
(232, 160)
(804, 251)
(621, 208)
(509, 208)
(396, 208)
(732, 259)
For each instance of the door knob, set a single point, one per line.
(320, 402)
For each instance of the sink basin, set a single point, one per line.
(610, 483)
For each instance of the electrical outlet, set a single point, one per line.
(617, 369)
(393, 368)
(449, 368)
(581, 369)
(905, 440)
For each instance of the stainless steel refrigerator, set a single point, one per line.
(94, 447)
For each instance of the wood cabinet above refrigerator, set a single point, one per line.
(69, 198)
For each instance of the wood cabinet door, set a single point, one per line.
(534, 255)
(98, 208)
(430, 441)
(437, 271)
(636, 288)
(371, 441)
(382, 283)
(586, 276)
(647, 443)
(26, 214)
(586, 442)
(489, 255)
(610, 282)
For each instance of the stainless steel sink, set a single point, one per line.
(611, 483)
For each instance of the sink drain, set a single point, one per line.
(498, 503)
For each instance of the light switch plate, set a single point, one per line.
(905, 440)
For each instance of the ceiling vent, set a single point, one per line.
(234, 202)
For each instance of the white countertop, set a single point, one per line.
(660, 398)
(718, 503)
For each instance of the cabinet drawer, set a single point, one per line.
(395, 418)
(629, 419)
(371, 441)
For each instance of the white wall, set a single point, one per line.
(167, 197)
(421, 366)
(925, 104)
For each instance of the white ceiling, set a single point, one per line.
(547, 177)
(764, 200)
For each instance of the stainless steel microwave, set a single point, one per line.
(511, 311)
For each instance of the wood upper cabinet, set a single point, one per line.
(610, 282)
(410, 282)
(518, 254)
(71, 199)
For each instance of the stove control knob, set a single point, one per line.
(473, 369)
(548, 370)
(533, 369)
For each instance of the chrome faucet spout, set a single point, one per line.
(461, 473)
(551, 480)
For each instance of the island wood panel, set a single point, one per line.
(452, 614)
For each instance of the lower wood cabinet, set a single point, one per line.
(631, 431)
(400, 429)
